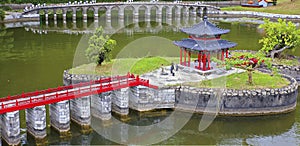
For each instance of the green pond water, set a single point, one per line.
(31, 61)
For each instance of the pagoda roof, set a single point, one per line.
(204, 28)
(204, 45)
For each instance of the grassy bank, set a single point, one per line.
(282, 7)
(122, 66)
(239, 81)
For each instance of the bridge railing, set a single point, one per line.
(52, 95)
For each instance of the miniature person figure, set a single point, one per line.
(172, 69)
(162, 69)
(176, 67)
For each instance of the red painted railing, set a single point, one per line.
(53, 95)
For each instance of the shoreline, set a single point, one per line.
(233, 102)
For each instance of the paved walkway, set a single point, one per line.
(184, 74)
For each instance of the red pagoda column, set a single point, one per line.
(227, 53)
(184, 63)
(208, 59)
(189, 60)
(199, 60)
(218, 54)
(204, 61)
(222, 55)
(180, 56)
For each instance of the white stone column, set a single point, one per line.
(60, 116)
(10, 127)
(169, 11)
(120, 100)
(178, 11)
(101, 105)
(96, 14)
(80, 110)
(74, 15)
(36, 121)
(84, 14)
(135, 13)
(121, 12)
(46, 17)
(148, 13)
(64, 15)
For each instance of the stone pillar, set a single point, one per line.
(169, 11)
(36, 121)
(60, 116)
(101, 105)
(96, 14)
(121, 12)
(54, 15)
(178, 22)
(46, 17)
(74, 15)
(84, 14)
(159, 14)
(80, 110)
(186, 11)
(135, 14)
(120, 99)
(121, 22)
(194, 12)
(64, 15)
(194, 15)
(108, 12)
(55, 18)
(10, 128)
(178, 11)
(148, 13)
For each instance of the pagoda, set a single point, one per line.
(204, 40)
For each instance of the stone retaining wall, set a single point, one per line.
(238, 102)
(232, 102)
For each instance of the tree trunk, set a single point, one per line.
(273, 52)
(250, 80)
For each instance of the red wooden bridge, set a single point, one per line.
(53, 95)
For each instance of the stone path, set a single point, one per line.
(184, 74)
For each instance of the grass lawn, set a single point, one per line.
(122, 66)
(239, 81)
(282, 7)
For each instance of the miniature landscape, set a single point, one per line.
(228, 81)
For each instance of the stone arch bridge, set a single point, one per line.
(184, 9)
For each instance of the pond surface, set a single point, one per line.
(32, 60)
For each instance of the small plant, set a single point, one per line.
(100, 47)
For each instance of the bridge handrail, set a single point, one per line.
(69, 92)
(61, 88)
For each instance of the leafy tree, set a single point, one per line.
(100, 47)
(248, 62)
(280, 36)
(2, 15)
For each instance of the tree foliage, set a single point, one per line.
(100, 47)
(280, 36)
(2, 15)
